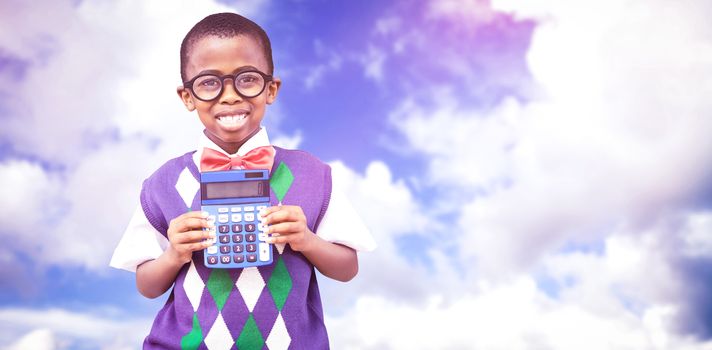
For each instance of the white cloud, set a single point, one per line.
(611, 282)
(288, 142)
(467, 11)
(104, 191)
(468, 149)
(626, 296)
(388, 25)
(387, 204)
(315, 74)
(40, 339)
(373, 61)
(515, 316)
(28, 193)
(618, 136)
(56, 328)
(696, 235)
(391, 212)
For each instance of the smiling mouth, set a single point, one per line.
(231, 120)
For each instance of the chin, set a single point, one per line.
(233, 138)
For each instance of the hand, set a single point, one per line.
(288, 224)
(186, 235)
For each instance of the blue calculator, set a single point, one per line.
(233, 199)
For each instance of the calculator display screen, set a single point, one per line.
(238, 189)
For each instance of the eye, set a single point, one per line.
(207, 82)
(246, 79)
(211, 82)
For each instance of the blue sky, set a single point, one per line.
(538, 169)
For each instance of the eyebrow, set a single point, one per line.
(217, 72)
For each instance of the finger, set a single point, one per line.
(270, 210)
(188, 215)
(192, 236)
(285, 228)
(192, 223)
(197, 246)
(291, 213)
(277, 239)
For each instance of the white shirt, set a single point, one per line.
(341, 223)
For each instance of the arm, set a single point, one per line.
(288, 224)
(332, 260)
(186, 235)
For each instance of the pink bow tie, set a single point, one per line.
(258, 158)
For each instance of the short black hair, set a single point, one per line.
(224, 25)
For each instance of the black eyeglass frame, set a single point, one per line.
(189, 84)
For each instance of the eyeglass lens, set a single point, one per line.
(248, 84)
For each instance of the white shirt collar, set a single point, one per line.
(257, 140)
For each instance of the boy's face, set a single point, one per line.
(229, 118)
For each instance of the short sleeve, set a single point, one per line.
(141, 242)
(342, 224)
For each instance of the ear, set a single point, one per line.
(272, 90)
(186, 98)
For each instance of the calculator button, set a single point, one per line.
(238, 258)
(223, 210)
(262, 237)
(236, 217)
(225, 249)
(224, 239)
(261, 207)
(236, 209)
(224, 228)
(260, 227)
(212, 260)
(264, 252)
(213, 249)
(237, 228)
(223, 218)
(249, 208)
(225, 259)
(251, 247)
(249, 216)
(250, 227)
(251, 258)
(211, 219)
(236, 238)
(238, 248)
(250, 237)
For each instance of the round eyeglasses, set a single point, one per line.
(248, 84)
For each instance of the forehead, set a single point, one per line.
(225, 54)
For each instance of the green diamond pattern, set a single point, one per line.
(280, 283)
(250, 337)
(219, 285)
(192, 340)
(281, 181)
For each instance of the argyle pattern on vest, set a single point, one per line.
(268, 307)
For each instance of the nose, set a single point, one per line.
(229, 94)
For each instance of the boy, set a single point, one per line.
(226, 67)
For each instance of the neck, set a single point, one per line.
(229, 147)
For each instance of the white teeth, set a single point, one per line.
(232, 119)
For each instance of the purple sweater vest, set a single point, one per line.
(301, 311)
